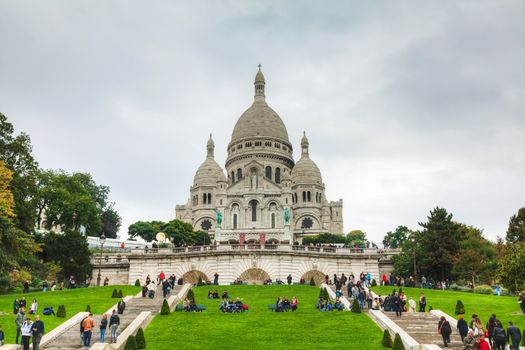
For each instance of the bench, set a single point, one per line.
(272, 307)
(200, 307)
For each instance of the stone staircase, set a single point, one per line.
(423, 328)
(70, 339)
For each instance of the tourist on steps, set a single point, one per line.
(2, 336)
(469, 343)
(19, 320)
(103, 327)
(38, 332)
(514, 335)
(462, 327)
(26, 332)
(88, 325)
(499, 336)
(114, 322)
(483, 344)
(445, 330)
(422, 302)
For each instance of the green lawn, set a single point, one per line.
(505, 308)
(260, 328)
(75, 300)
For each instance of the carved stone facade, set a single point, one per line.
(262, 182)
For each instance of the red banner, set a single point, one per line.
(242, 238)
(262, 238)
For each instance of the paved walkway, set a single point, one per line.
(70, 339)
(422, 326)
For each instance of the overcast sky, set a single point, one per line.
(407, 105)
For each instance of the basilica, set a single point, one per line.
(264, 196)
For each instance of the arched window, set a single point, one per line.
(239, 174)
(209, 198)
(204, 198)
(234, 221)
(273, 220)
(308, 196)
(278, 175)
(268, 172)
(253, 205)
(233, 177)
(304, 196)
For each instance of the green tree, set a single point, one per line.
(396, 238)
(111, 222)
(140, 339)
(398, 343)
(516, 230)
(201, 238)
(147, 230)
(324, 238)
(179, 232)
(511, 267)
(439, 241)
(410, 251)
(70, 251)
(356, 238)
(131, 343)
(476, 256)
(387, 339)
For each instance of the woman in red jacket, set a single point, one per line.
(483, 344)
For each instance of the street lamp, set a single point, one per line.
(102, 240)
(413, 240)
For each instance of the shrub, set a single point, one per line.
(312, 282)
(165, 309)
(115, 294)
(483, 289)
(88, 309)
(137, 283)
(199, 282)
(387, 339)
(191, 295)
(61, 312)
(356, 309)
(131, 343)
(460, 308)
(139, 338)
(374, 283)
(120, 294)
(398, 343)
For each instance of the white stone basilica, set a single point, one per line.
(266, 196)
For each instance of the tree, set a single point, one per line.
(131, 343)
(147, 230)
(511, 267)
(460, 308)
(410, 251)
(396, 238)
(69, 250)
(387, 339)
(398, 343)
(356, 238)
(355, 307)
(516, 230)
(191, 295)
(476, 256)
(324, 238)
(179, 232)
(439, 242)
(7, 200)
(165, 309)
(111, 222)
(140, 339)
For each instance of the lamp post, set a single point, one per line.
(413, 240)
(102, 240)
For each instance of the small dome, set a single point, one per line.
(306, 171)
(208, 174)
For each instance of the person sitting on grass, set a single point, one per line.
(279, 304)
(294, 304)
(216, 294)
(327, 306)
(186, 304)
(224, 305)
(286, 304)
(319, 304)
(210, 294)
(224, 294)
(238, 305)
(338, 305)
(192, 307)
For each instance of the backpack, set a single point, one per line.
(500, 333)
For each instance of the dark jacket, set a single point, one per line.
(462, 327)
(38, 327)
(514, 333)
(114, 319)
(103, 324)
(499, 333)
(444, 327)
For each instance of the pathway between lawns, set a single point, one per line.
(70, 339)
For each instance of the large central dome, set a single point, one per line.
(259, 120)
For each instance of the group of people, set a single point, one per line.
(27, 329)
(189, 305)
(365, 279)
(328, 305)
(87, 326)
(283, 304)
(232, 306)
(474, 335)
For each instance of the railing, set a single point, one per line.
(266, 247)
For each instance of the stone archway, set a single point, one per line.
(254, 276)
(193, 277)
(318, 277)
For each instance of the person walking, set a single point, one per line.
(422, 302)
(114, 322)
(216, 278)
(462, 327)
(2, 336)
(490, 329)
(88, 326)
(103, 327)
(482, 344)
(514, 336)
(445, 330)
(38, 332)
(499, 336)
(289, 279)
(396, 301)
(19, 320)
(411, 305)
(26, 332)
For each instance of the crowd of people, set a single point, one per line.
(327, 305)
(229, 305)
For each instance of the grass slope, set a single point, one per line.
(260, 328)
(75, 300)
(506, 308)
